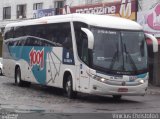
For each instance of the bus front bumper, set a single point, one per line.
(102, 89)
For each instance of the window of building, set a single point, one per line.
(140, 5)
(21, 11)
(93, 1)
(37, 6)
(89, 1)
(58, 4)
(7, 13)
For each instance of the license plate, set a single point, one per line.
(123, 90)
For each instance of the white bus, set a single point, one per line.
(95, 54)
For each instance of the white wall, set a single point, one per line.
(75, 2)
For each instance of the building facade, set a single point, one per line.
(121, 8)
(86, 2)
(18, 10)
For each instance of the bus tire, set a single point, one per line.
(18, 80)
(69, 88)
(0, 71)
(117, 97)
(27, 84)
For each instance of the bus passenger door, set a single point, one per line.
(84, 78)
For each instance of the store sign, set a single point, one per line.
(43, 13)
(150, 20)
(125, 8)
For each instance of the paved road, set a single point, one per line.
(50, 100)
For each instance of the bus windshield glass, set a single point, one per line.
(117, 50)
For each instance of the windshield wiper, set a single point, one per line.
(115, 57)
(131, 60)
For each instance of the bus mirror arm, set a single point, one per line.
(154, 41)
(90, 37)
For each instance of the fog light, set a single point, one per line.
(95, 87)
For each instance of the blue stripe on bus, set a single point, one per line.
(142, 75)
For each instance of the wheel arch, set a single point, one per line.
(66, 73)
(16, 67)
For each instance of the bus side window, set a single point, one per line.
(81, 41)
(23, 42)
(29, 30)
(9, 33)
(63, 35)
(19, 32)
(68, 41)
(85, 49)
(82, 46)
(31, 41)
(11, 43)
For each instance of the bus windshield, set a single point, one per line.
(118, 50)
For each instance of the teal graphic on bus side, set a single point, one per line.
(35, 57)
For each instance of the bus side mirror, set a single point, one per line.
(154, 41)
(90, 37)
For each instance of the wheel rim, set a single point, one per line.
(68, 87)
(18, 78)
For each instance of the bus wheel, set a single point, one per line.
(18, 80)
(69, 88)
(0, 71)
(117, 97)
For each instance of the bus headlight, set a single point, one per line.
(142, 81)
(100, 79)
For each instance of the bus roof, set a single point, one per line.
(90, 19)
